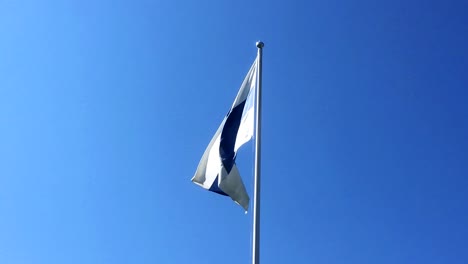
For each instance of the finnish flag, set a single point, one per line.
(217, 170)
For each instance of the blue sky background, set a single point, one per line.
(107, 106)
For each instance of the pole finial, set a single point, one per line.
(260, 44)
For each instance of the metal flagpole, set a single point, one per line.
(256, 201)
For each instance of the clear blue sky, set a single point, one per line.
(107, 106)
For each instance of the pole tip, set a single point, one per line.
(260, 44)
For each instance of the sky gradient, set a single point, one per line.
(107, 106)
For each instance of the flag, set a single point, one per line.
(217, 170)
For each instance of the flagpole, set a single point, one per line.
(256, 201)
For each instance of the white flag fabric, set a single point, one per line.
(217, 170)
